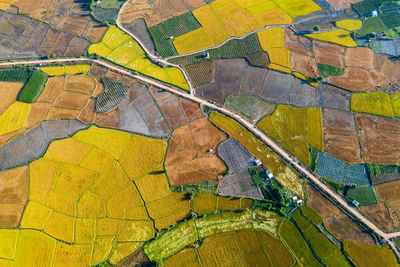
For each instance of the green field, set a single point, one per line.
(14, 75)
(174, 27)
(105, 15)
(111, 3)
(33, 87)
(297, 245)
(326, 70)
(364, 195)
(310, 214)
(322, 246)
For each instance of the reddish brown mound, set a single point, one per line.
(188, 159)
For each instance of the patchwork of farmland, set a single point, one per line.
(100, 169)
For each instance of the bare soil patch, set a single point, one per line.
(188, 159)
(380, 215)
(338, 223)
(344, 147)
(388, 191)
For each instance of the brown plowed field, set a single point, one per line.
(306, 65)
(338, 223)
(381, 147)
(188, 160)
(344, 147)
(157, 12)
(14, 189)
(388, 191)
(304, 47)
(9, 92)
(394, 210)
(380, 214)
(330, 54)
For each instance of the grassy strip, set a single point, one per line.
(14, 75)
(33, 88)
(190, 231)
(297, 244)
(321, 245)
(310, 214)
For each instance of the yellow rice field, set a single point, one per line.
(349, 24)
(120, 48)
(340, 37)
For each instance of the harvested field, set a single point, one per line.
(234, 76)
(388, 191)
(394, 210)
(10, 92)
(334, 97)
(65, 15)
(380, 215)
(187, 156)
(176, 110)
(379, 138)
(14, 189)
(235, 155)
(157, 12)
(340, 135)
(337, 222)
(25, 37)
(369, 255)
(15, 152)
(239, 184)
(331, 54)
(139, 29)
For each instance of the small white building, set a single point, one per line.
(374, 13)
(269, 174)
(294, 198)
(258, 162)
(355, 203)
(299, 202)
(210, 150)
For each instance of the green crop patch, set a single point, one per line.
(326, 70)
(381, 173)
(111, 3)
(248, 47)
(105, 15)
(164, 44)
(310, 214)
(33, 87)
(364, 195)
(297, 244)
(14, 75)
(321, 245)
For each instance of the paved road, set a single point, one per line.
(251, 127)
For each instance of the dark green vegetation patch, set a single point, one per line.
(367, 6)
(14, 75)
(248, 47)
(111, 3)
(105, 15)
(326, 70)
(173, 27)
(381, 173)
(364, 195)
(114, 93)
(33, 87)
(370, 25)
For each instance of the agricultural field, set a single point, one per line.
(341, 171)
(366, 255)
(335, 220)
(188, 160)
(283, 173)
(296, 129)
(119, 147)
(119, 47)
